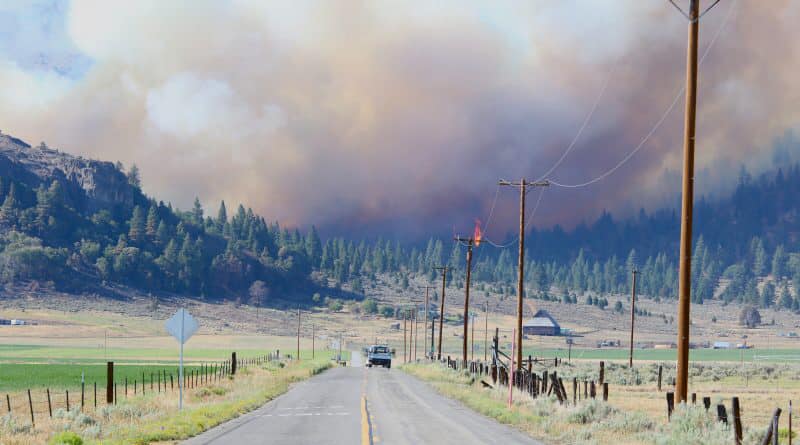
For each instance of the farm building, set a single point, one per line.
(542, 323)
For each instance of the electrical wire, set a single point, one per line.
(660, 120)
(583, 126)
(528, 220)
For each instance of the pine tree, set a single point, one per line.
(162, 234)
(779, 262)
(759, 257)
(768, 295)
(313, 246)
(197, 213)
(136, 231)
(133, 176)
(222, 218)
(9, 210)
(151, 227)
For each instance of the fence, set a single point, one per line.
(34, 404)
(548, 382)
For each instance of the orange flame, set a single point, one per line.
(476, 237)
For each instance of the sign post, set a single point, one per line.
(181, 326)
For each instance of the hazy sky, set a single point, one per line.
(398, 117)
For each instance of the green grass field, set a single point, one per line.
(719, 355)
(38, 366)
(16, 377)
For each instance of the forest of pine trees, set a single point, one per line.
(747, 250)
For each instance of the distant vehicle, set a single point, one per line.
(17, 322)
(379, 355)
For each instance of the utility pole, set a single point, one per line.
(444, 270)
(685, 272)
(472, 241)
(298, 333)
(312, 342)
(523, 188)
(416, 333)
(472, 354)
(425, 329)
(486, 332)
(405, 317)
(633, 314)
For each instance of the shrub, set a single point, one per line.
(66, 438)
(369, 306)
(692, 425)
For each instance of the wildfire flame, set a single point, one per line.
(476, 237)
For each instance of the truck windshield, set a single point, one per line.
(380, 350)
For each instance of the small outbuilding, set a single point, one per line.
(542, 323)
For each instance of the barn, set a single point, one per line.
(542, 323)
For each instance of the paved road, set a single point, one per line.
(331, 409)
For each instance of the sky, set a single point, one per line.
(397, 118)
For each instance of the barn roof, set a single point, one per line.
(541, 319)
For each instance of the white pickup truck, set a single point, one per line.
(379, 355)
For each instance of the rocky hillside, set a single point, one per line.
(88, 185)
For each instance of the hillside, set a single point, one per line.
(76, 224)
(73, 223)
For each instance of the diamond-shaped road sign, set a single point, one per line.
(182, 325)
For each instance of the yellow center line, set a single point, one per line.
(366, 426)
(366, 436)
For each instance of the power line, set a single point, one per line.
(660, 120)
(580, 130)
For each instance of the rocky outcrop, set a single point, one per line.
(91, 185)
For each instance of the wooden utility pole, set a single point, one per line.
(425, 329)
(685, 268)
(472, 354)
(444, 270)
(405, 317)
(470, 242)
(416, 333)
(633, 314)
(523, 188)
(298, 333)
(486, 332)
(312, 342)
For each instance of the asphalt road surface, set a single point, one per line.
(359, 405)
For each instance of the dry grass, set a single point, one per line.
(155, 417)
(635, 413)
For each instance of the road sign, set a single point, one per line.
(181, 326)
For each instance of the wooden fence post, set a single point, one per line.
(109, 383)
(67, 396)
(605, 391)
(670, 404)
(233, 363)
(83, 392)
(95, 395)
(574, 390)
(722, 414)
(707, 403)
(660, 372)
(49, 405)
(772, 430)
(8, 403)
(30, 405)
(602, 372)
(737, 421)
(592, 390)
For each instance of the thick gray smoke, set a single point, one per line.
(390, 116)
